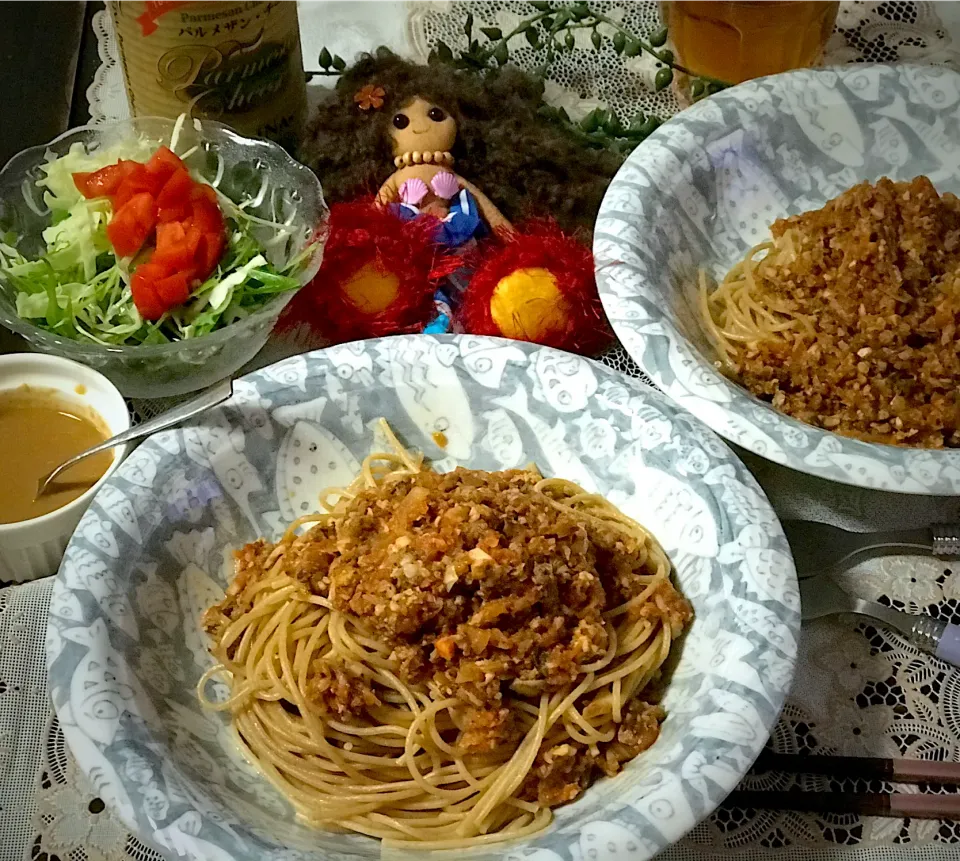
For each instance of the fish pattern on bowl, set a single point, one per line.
(706, 186)
(125, 649)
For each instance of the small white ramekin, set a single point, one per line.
(33, 548)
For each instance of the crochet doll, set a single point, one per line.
(455, 207)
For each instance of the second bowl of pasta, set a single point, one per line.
(782, 260)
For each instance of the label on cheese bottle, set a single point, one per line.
(237, 63)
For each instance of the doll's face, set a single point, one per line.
(420, 126)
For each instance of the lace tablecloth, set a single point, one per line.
(859, 690)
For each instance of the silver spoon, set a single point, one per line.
(210, 398)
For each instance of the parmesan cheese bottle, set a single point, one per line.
(235, 62)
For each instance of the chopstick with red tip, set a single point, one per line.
(899, 805)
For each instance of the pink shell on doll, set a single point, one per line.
(444, 184)
(412, 191)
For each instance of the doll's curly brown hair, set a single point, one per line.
(527, 165)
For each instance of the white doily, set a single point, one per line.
(107, 95)
(895, 32)
(24, 709)
(72, 823)
(579, 81)
(866, 32)
(860, 690)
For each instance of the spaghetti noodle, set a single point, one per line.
(743, 309)
(441, 659)
(848, 317)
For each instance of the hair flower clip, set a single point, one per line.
(370, 96)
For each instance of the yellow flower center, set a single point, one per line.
(527, 305)
(371, 289)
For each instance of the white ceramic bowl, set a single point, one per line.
(706, 186)
(33, 548)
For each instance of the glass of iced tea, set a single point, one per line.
(736, 41)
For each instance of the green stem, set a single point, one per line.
(490, 49)
(601, 18)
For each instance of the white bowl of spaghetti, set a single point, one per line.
(451, 648)
(758, 267)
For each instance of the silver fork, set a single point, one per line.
(821, 596)
(821, 547)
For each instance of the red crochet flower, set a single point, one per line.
(540, 245)
(369, 244)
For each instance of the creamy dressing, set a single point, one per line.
(39, 429)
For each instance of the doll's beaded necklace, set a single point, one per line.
(438, 157)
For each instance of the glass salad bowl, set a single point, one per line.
(279, 201)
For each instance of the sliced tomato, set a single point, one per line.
(174, 289)
(106, 181)
(177, 244)
(161, 198)
(173, 201)
(176, 189)
(170, 238)
(156, 288)
(132, 224)
(145, 296)
(136, 182)
(152, 176)
(207, 216)
(153, 271)
(178, 212)
(202, 191)
(209, 252)
(205, 209)
(81, 179)
(163, 164)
